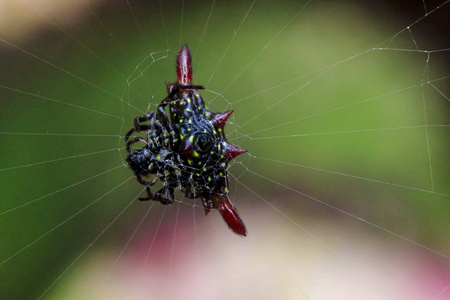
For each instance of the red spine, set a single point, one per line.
(230, 216)
(184, 66)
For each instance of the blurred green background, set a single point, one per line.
(334, 127)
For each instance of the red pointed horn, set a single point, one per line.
(231, 151)
(219, 119)
(169, 87)
(184, 66)
(230, 216)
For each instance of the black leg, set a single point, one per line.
(177, 88)
(135, 140)
(170, 194)
(138, 126)
(192, 87)
(189, 194)
(165, 190)
(148, 184)
(129, 133)
(149, 195)
(137, 122)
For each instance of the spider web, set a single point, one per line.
(343, 106)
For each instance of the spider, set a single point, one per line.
(188, 151)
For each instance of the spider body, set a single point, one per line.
(187, 150)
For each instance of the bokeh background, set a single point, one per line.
(343, 106)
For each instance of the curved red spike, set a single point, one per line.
(184, 66)
(169, 87)
(231, 151)
(219, 119)
(230, 216)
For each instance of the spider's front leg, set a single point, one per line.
(138, 126)
(165, 126)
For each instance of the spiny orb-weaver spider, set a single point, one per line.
(189, 151)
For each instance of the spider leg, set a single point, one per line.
(129, 133)
(176, 88)
(148, 184)
(170, 193)
(135, 140)
(149, 195)
(189, 194)
(138, 126)
(139, 120)
(165, 190)
(165, 125)
(194, 87)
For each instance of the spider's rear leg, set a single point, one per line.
(189, 194)
(165, 190)
(138, 126)
(147, 189)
